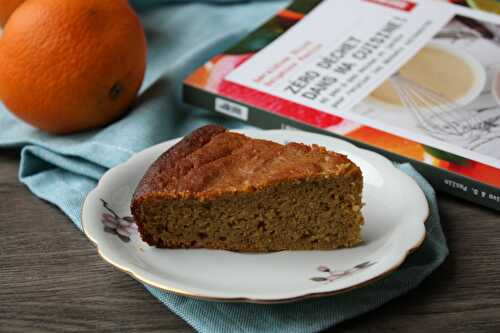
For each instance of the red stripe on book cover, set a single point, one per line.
(404, 5)
(278, 105)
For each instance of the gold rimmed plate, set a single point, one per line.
(395, 212)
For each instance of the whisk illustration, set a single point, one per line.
(434, 112)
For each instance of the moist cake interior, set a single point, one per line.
(222, 190)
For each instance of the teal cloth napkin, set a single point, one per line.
(181, 36)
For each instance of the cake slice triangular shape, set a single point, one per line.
(222, 190)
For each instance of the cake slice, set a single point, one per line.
(222, 190)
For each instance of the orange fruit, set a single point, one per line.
(68, 66)
(6, 8)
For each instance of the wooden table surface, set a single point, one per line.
(51, 278)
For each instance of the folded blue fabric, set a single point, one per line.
(181, 36)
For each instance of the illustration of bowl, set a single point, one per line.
(439, 74)
(495, 86)
(487, 5)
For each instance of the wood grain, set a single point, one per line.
(51, 279)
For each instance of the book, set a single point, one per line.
(417, 81)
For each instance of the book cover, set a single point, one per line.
(418, 81)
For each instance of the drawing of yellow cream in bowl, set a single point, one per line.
(495, 86)
(433, 86)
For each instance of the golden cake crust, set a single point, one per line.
(163, 174)
(231, 162)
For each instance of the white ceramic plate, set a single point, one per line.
(395, 212)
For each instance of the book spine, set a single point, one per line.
(443, 180)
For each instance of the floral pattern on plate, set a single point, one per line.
(333, 275)
(115, 224)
